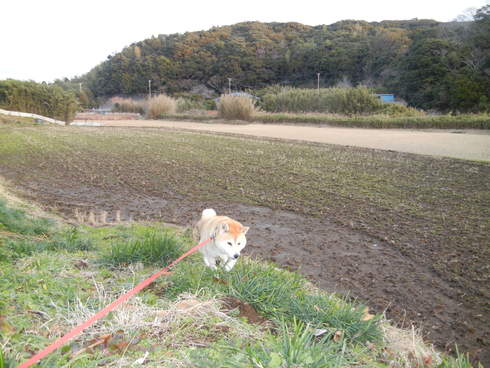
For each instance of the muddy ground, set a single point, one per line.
(336, 255)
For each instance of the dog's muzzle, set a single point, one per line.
(236, 256)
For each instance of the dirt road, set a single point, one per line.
(463, 144)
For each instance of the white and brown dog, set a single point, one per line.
(227, 239)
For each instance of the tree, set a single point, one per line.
(424, 70)
(422, 60)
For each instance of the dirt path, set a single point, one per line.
(463, 144)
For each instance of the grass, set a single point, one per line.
(378, 121)
(296, 347)
(68, 240)
(177, 321)
(157, 248)
(279, 295)
(16, 220)
(375, 121)
(358, 100)
(16, 120)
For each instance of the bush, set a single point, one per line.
(187, 104)
(194, 105)
(394, 109)
(161, 105)
(349, 101)
(36, 98)
(210, 104)
(236, 107)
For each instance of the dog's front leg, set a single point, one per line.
(230, 264)
(210, 262)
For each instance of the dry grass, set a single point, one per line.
(406, 348)
(161, 105)
(236, 108)
(163, 322)
(154, 108)
(176, 325)
(129, 105)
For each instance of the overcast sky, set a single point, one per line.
(47, 39)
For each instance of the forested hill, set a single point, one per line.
(431, 64)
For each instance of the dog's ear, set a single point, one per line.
(220, 229)
(245, 229)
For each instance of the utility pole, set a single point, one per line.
(80, 84)
(229, 85)
(149, 88)
(318, 82)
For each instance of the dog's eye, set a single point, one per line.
(230, 243)
(239, 243)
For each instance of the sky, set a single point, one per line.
(43, 40)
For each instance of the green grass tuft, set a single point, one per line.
(69, 240)
(278, 295)
(460, 361)
(153, 247)
(17, 221)
(294, 346)
(6, 362)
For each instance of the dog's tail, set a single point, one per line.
(207, 213)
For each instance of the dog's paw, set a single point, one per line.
(211, 263)
(230, 264)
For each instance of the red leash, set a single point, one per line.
(102, 313)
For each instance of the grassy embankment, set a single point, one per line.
(54, 276)
(464, 121)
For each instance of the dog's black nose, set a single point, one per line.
(236, 256)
